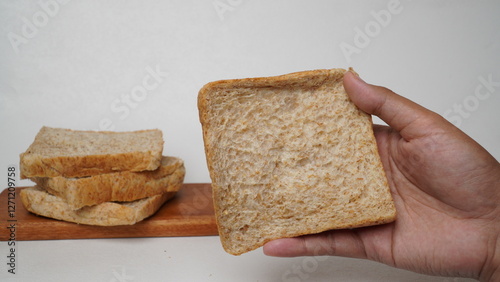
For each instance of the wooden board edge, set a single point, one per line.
(198, 225)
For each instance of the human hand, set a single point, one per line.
(446, 189)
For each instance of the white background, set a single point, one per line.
(75, 64)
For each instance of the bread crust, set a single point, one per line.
(245, 194)
(38, 201)
(72, 153)
(121, 186)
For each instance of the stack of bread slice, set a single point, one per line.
(99, 178)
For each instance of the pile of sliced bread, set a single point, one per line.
(99, 178)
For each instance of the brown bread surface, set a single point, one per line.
(38, 201)
(72, 153)
(123, 186)
(290, 155)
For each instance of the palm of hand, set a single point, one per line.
(445, 188)
(442, 215)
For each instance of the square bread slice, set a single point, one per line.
(290, 155)
(123, 186)
(38, 201)
(72, 153)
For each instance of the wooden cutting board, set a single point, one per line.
(189, 213)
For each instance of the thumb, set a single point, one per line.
(342, 242)
(408, 118)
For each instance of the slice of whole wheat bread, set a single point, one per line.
(71, 153)
(290, 155)
(38, 201)
(121, 186)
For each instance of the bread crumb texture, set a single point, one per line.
(120, 186)
(72, 153)
(38, 201)
(290, 155)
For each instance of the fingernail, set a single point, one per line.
(356, 75)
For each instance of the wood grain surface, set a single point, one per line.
(189, 213)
